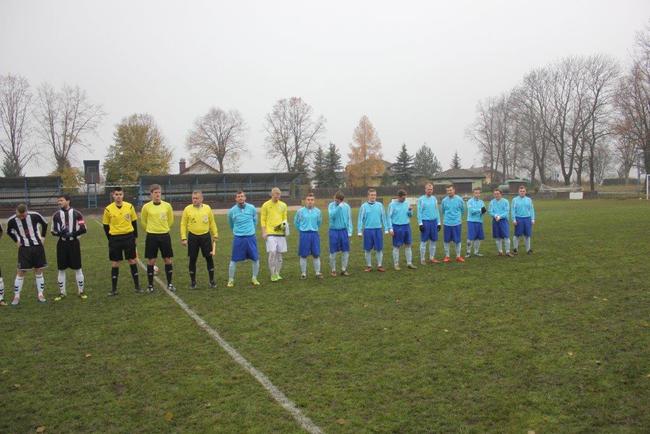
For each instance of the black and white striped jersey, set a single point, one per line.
(28, 231)
(68, 224)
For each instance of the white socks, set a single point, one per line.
(79, 275)
(40, 283)
(61, 282)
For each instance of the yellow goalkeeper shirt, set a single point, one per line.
(273, 214)
(157, 219)
(119, 219)
(198, 221)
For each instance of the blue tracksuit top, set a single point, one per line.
(242, 221)
(474, 210)
(308, 219)
(398, 213)
(340, 216)
(371, 216)
(522, 207)
(500, 208)
(428, 208)
(452, 210)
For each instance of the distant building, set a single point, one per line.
(463, 179)
(490, 177)
(199, 167)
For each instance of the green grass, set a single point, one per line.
(554, 342)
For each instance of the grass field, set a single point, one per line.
(554, 342)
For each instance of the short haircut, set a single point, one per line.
(476, 189)
(428, 184)
(117, 188)
(372, 190)
(239, 192)
(154, 187)
(498, 189)
(66, 196)
(522, 186)
(21, 208)
(401, 193)
(276, 190)
(310, 194)
(197, 192)
(450, 186)
(339, 195)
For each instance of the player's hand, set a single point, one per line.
(532, 222)
(438, 228)
(184, 242)
(422, 228)
(391, 232)
(497, 218)
(514, 222)
(359, 234)
(264, 234)
(483, 210)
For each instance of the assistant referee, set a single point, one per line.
(156, 218)
(198, 231)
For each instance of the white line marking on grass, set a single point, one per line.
(303, 420)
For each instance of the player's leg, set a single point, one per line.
(2, 290)
(151, 247)
(271, 256)
(303, 252)
(130, 255)
(40, 284)
(193, 254)
(345, 252)
(39, 262)
(18, 282)
(75, 264)
(315, 252)
(251, 253)
(62, 255)
(379, 248)
(168, 254)
(367, 249)
(458, 243)
(279, 256)
(206, 251)
(446, 240)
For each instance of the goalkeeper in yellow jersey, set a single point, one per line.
(273, 219)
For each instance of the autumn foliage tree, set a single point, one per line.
(365, 155)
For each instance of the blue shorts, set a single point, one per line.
(339, 240)
(244, 248)
(309, 244)
(430, 230)
(524, 227)
(475, 231)
(373, 239)
(500, 229)
(402, 235)
(452, 233)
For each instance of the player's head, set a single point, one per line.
(63, 201)
(118, 195)
(197, 198)
(155, 192)
(21, 211)
(451, 190)
(275, 194)
(401, 195)
(497, 193)
(428, 189)
(309, 200)
(240, 197)
(477, 192)
(339, 197)
(372, 195)
(522, 190)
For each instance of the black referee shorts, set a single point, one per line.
(31, 257)
(199, 242)
(155, 242)
(121, 247)
(68, 254)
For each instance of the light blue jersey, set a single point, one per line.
(474, 210)
(500, 208)
(340, 216)
(242, 220)
(371, 216)
(399, 213)
(428, 208)
(307, 219)
(452, 210)
(522, 207)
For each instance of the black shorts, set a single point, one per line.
(31, 257)
(199, 242)
(155, 242)
(121, 247)
(68, 254)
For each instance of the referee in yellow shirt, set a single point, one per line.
(199, 232)
(121, 227)
(273, 219)
(156, 218)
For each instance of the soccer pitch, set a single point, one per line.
(558, 341)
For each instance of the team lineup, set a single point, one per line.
(199, 233)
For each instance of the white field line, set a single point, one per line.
(303, 420)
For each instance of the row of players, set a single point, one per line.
(199, 233)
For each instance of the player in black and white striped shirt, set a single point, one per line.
(28, 230)
(68, 224)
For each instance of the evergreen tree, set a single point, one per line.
(455, 161)
(333, 165)
(319, 167)
(403, 169)
(426, 163)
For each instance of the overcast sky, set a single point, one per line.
(416, 68)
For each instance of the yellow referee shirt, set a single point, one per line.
(272, 215)
(119, 219)
(198, 221)
(157, 219)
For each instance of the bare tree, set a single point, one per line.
(601, 162)
(15, 102)
(65, 119)
(292, 133)
(625, 152)
(218, 136)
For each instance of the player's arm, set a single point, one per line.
(263, 218)
(319, 220)
(296, 219)
(360, 217)
(106, 220)
(170, 215)
(1, 230)
(213, 226)
(81, 224)
(333, 210)
(11, 231)
(144, 216)
(183, 229)
(56, 225)
(532, 212)
(254, 211)
(348, 223)
(42, 223)
(418, 211)
(388, 223)
(231, 221)
(383, 219)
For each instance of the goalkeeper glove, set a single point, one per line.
(421, 228)
(483, 210)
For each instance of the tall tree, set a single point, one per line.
(65, 119)
(426, 163)
(333, 165)
(318, 167)
(403, 170)
(455, 161)
(139, 149)
(218, 137)
(365, 158)
(292, 133)
(15, 103)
